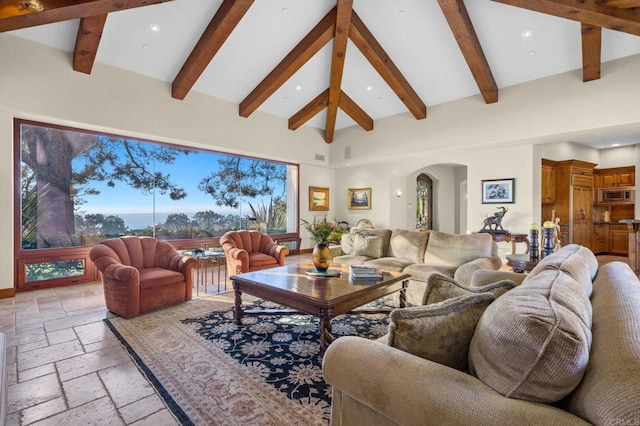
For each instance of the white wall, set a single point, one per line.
(617, 157)
(316, 176)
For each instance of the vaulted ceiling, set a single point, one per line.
(332, 64)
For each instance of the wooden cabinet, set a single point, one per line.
(600, 239)
(574, 200)
(614, 177)
(548, 182)
(618, 239)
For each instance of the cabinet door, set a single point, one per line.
(548, 184)
(607, 180)
(618, 240)
(600, 239)
(582, 220)
(627, 179)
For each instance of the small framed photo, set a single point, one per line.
(498, 191)
(359, 198)
(318, 199)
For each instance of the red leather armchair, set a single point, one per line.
(251, 251)
(142, 274)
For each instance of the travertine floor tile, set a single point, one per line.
(42, 356)
(103, 344)
(125, 384)
(33, 345)
(33, 392)
(61, 336)
(94, 332)
(91, 362)
(75, 320)
(32, 373)
(24, 336)
(83, 389)
(163, 418)
(44, 410)
(141, 409)
(100, 412)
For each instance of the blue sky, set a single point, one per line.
(186, 171)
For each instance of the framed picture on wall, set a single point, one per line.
(318, 199)
(498, 191)
(359, 198)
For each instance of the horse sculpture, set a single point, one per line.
(495, 220)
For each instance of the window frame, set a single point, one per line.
(22, 257)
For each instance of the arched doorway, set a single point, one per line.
(424, 202)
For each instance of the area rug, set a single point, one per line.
(210, 371)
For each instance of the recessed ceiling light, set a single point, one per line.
(379, 98)
(531, 52)
(154, 27)
(402, 13)
(369, 88)
(615, 144)
(145, 46)
(526, 33)
(298, 88)
(284, 10)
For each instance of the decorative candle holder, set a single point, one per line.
(534, 248)
(547, 247)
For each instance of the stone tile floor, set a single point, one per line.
(65, 367)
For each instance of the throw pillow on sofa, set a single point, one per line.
(440, 332)
(441, 287)
(533, 342)
(367, 245)
(346, 243)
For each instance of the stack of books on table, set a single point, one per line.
(364, 273)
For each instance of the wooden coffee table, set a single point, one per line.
(323, 297)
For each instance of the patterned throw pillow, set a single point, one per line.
(440, 332)
(346, 243)
(441, 287)
(367, 245)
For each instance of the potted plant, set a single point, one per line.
(322, 232)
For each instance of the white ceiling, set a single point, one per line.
(414, 33)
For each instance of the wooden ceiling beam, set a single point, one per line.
(622, 4)
(221, 26)
(382, 63)
(590, 12)
(320, 35)
(462, 28)
(12, 17)
(591, 48)
(87, 42)
(354, 111)
(318, 103)
(340, 39)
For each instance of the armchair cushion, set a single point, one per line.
(158, 277)
(261, 259)
(440, 332)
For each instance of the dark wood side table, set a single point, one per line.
(521, 263)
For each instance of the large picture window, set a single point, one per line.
(78, 187)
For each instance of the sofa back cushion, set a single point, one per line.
(533, 342)
(385, 234)
(409, 245)
(610, 389)
(454, 250)
(582, 266)
(346, 243)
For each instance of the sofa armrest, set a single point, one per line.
(237, 260)
(412, 390)
(465, 271)
(120, 272)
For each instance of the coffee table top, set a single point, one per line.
(292, 279)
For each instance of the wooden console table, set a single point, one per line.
(513, 238)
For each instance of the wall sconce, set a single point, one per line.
(398, 193)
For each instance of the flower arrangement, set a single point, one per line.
(322, 231)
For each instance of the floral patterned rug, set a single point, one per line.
(284, 350)
(210, 371)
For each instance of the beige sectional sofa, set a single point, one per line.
(419, 254)
(563, 347)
